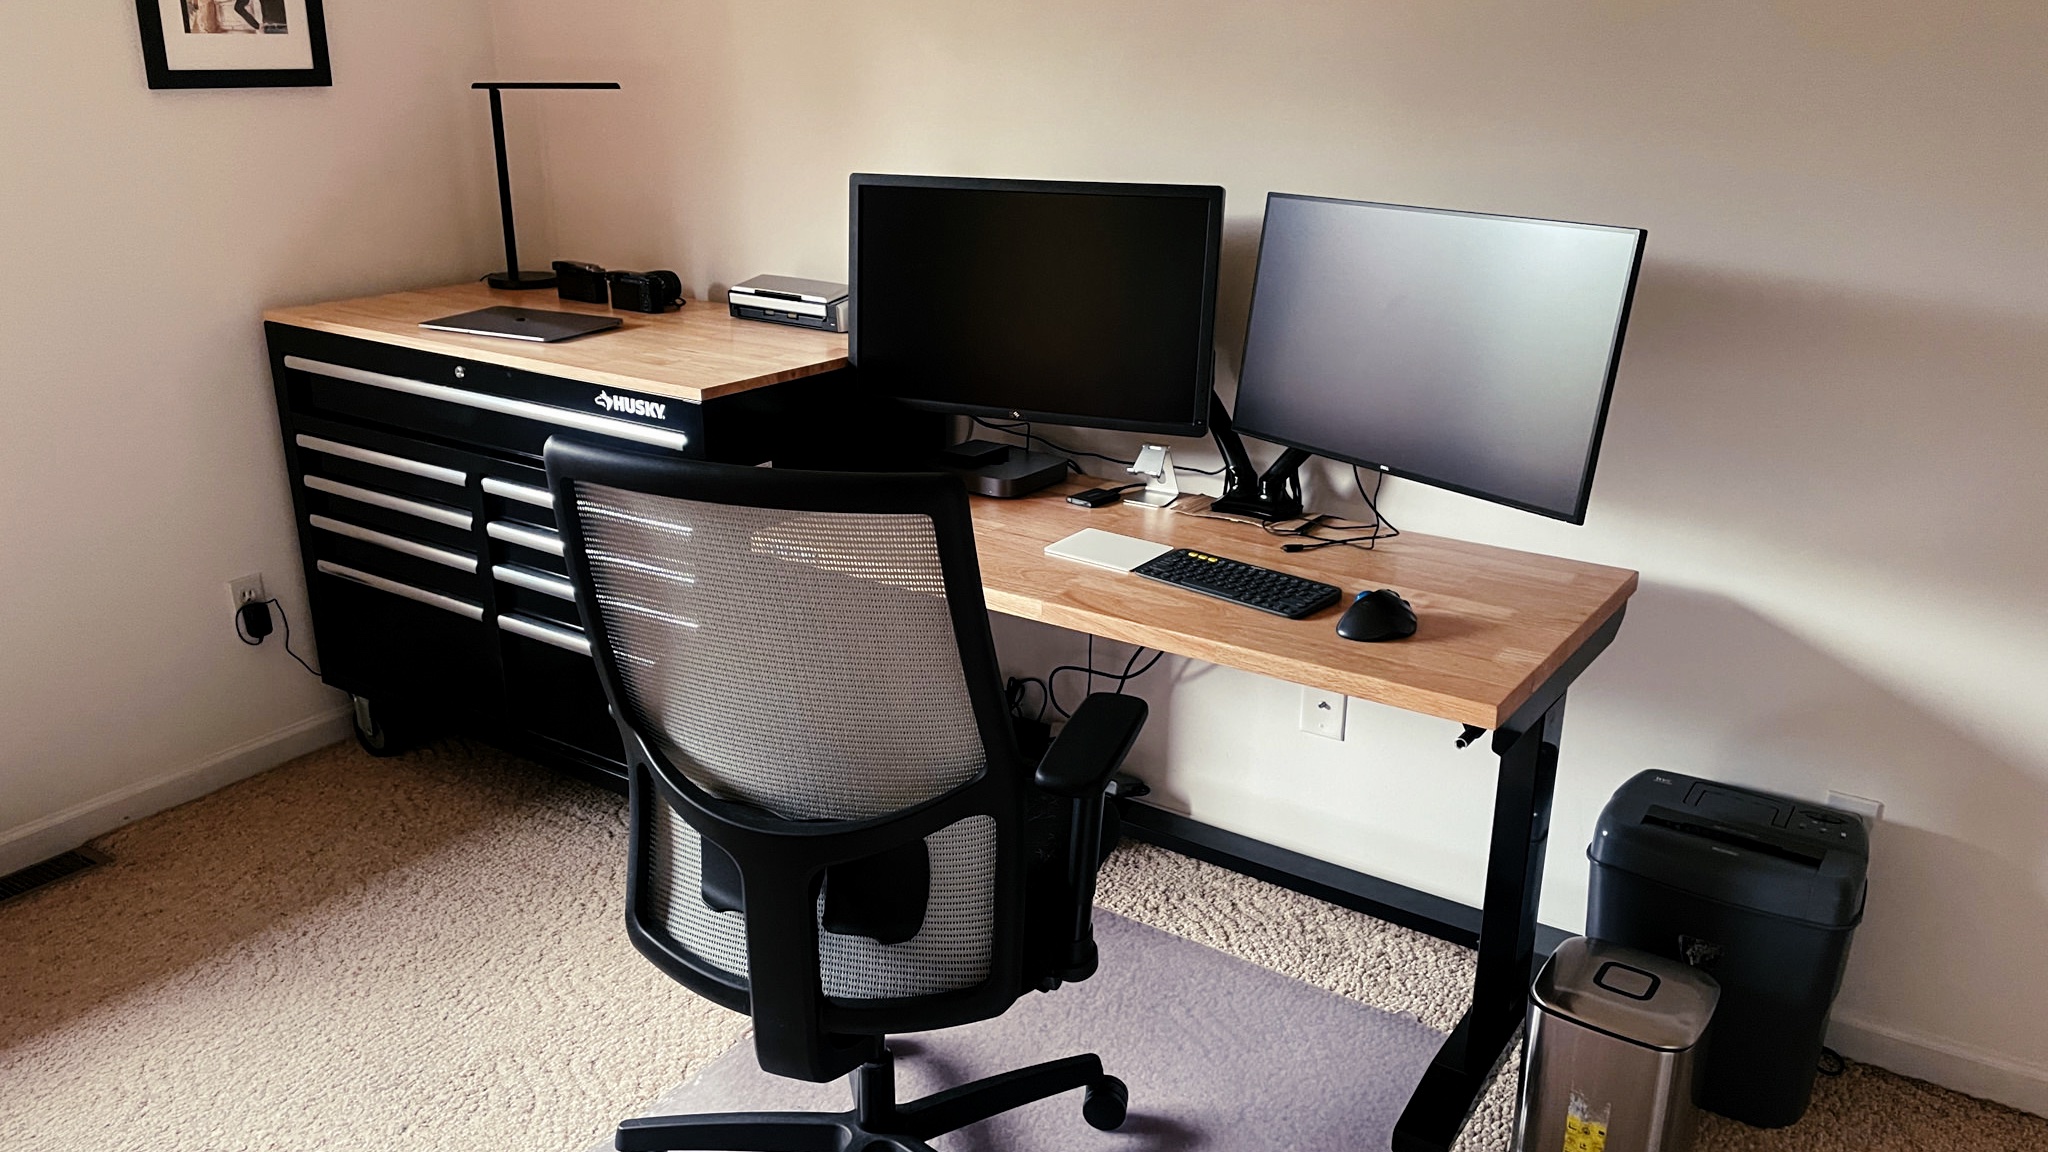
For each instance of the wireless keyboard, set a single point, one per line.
(1240, 583)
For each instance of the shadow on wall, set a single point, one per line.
(1871, 430)
(1956, 919)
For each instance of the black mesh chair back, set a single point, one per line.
(828, 807)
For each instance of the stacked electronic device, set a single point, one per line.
(819, 304)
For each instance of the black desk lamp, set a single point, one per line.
(512, 277)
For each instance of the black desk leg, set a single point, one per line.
(1444, 1099)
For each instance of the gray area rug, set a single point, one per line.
(1219, 1055)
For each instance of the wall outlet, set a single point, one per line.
(1322, 713)
(1871, 810)
(246, 589)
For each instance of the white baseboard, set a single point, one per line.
(63, 831)
(1967, 1069)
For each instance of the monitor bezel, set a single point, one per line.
(1196, 425)
(1577, 514)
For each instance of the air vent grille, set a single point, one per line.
(47, 872)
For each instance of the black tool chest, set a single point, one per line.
(438, 593)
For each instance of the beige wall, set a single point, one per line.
(142, 233)
(1825, 450)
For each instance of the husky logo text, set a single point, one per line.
(631, 406)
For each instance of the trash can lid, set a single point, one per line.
(1636, 996)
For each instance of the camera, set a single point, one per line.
(576, 280)
(656, 291)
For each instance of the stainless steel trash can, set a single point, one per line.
(1613, 1044)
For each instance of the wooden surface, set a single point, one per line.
(694, 354)
(1494, 623)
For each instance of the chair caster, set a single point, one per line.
(1104, 1104)
(371, 733)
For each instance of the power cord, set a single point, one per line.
(252, 624)
(1380, 529)
(1131, 672)
(1014, 690)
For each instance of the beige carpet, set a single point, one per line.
(426, 953)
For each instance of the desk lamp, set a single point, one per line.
(512, 277)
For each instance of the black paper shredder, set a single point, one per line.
(1760, 891)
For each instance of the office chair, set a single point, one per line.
(832, 829)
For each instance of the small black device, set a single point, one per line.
(576, 280)
(1268, 590)
(1760, 891)
(1097, 497)
(656, 291)
(973, 453)
(1379, 614)
(254, 619)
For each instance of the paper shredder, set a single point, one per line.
(1760, 891)
(1613, 1046)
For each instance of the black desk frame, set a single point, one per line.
(1504, 929)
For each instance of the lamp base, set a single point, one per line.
(518, 281)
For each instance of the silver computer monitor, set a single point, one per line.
(1469, 351)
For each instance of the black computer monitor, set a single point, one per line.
(1036, 300)
(1468, 351)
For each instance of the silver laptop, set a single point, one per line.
(536, 324)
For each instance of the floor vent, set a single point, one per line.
(47, 872)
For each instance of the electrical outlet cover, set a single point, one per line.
(1322, 713)
(243, 589)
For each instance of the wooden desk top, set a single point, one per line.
(695, 354)
(1495, 623)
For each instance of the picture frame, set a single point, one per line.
(234, 43)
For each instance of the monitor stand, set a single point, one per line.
(1012, 472)
(1274, 494)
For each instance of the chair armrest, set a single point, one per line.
(1078, 766)
(1092, 746)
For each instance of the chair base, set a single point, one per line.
(877, 1122)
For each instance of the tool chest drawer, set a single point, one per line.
(429, 537)
(468, 402)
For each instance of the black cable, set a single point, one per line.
(1831, 1062)
(1131, 672)
(1128, 675)
(245, 638)
(1372, 501)
(1380, 529)
(1014, 691)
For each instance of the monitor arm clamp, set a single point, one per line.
(1274, 494)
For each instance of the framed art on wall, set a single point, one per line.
(234, 43)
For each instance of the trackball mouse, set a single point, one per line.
(1377, 615)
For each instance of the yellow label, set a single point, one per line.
(1582, 1135)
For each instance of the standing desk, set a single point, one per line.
(1502, 635)
(435, 579)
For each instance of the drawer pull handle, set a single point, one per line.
(503, 405)
(432, 599)
(438, 514)
(554, 634)
(383, 460)
(545, 583)
(461, 561)
(524, 493)
(538, 539)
